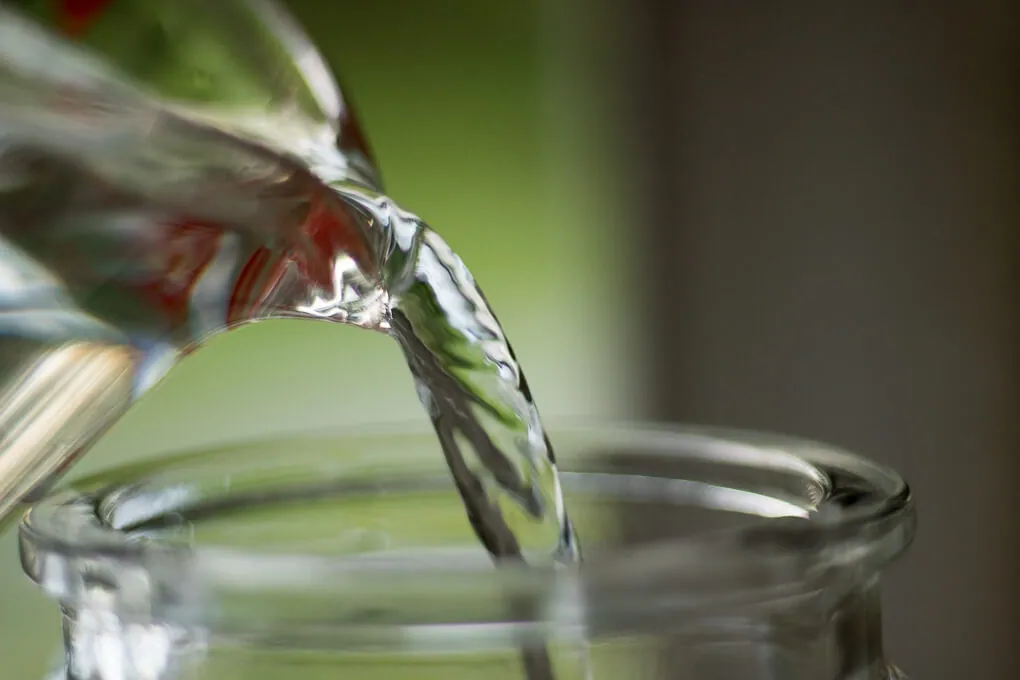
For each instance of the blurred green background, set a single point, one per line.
(480, 127)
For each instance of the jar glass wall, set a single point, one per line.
(709, 555)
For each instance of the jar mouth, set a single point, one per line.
(360, 534)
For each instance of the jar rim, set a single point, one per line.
(794, 549)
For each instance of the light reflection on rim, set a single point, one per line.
(784, 555)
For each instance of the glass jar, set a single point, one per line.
(709, 556)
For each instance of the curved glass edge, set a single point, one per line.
(65, 547)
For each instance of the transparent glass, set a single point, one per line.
(169, 170)
(709, 556)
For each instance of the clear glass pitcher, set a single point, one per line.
(161, 180)
(711, 556)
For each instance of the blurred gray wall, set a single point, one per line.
(831, 206)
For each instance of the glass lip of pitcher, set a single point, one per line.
(72, 96)
(790, 556)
